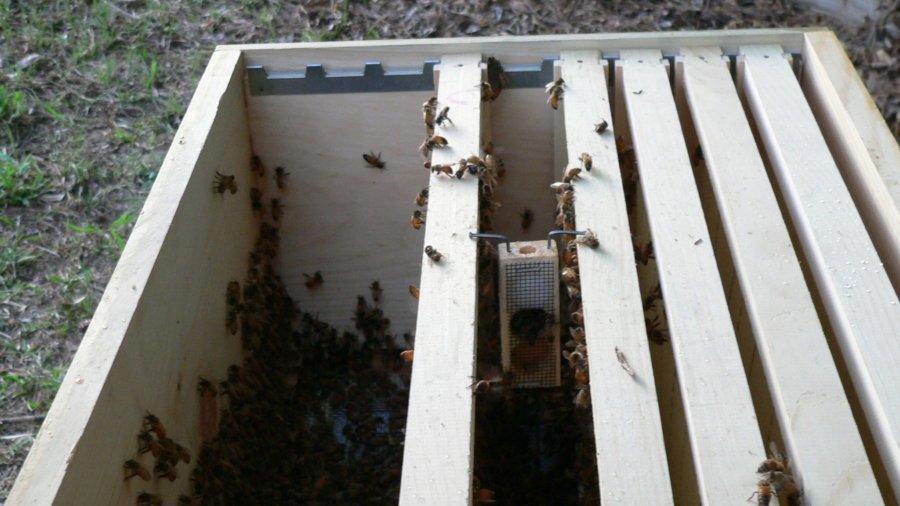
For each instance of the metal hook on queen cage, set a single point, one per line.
(554, 233)
(498, 237)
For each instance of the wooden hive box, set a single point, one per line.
(769, 187)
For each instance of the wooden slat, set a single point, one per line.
(630, 450)
(806, 390)
(721, 422)
(872, 178)
(438, 453)
(161, 321)
(860, 301)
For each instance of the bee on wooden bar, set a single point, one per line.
(527, 218)
(433, 254)
(377, 292)
(280, 176)
(461, 171)
(221, 183)
(565, 200)
(443, 169)
(574, 358)
(555, 92)
(428, 109)
(496, 76)
(373, 160)
(277, 209)
(407, 355)
(206, 388)
(134, 468)
(414, 291)
(583, 398)
(763, 493)
(145, 499)
(588, 239)
(654, 295)
(572, 173)
(488, 147)
(152, 424)
(487, 91)
(776, 462)
(484, 496)
(586, 161)
(314, 281)
(422, 197)
(443, 116)
(697, 156)
(642, 253)
(784, 484)
(256, 199)
(601, 127)
(146, 443)
(578, 317)
(431, 142)
(577, 334)
(256, 166)
(417, 219)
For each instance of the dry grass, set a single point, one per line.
(91, 93)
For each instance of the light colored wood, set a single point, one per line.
(161, 321)
(525, 49)
(806, 390)
(438, 452)
(627, 429)
(347, 219)
(873, 183)
(721, 422)
(860, 301)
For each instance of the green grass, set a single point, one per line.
(21, 182)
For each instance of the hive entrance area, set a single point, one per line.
(365, 308)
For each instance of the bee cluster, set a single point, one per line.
(313, 415)
(775, 479)
(153, 439)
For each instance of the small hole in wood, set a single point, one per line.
(640, 61)
(765, 56)
(527, 250)
(459, 64)
(579, 61)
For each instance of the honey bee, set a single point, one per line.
(377, 292)
(484, 496)
(417, 220)
(206, 388)
(422, 197)
(152, 424)
(586, 161)
(487, 91)
(183, 454)
(314, 281)
(256, 166)
(583, 398)
(763, 493)
(162, 469)
(496, 75)
(601, 127)
(784, 484)
(145, 499)
(407, 355)
(574, 358)
(527, 218)
(697, 156)
(569, 276)
(577, 334)
(554, 91)
(146, 443)
(624, 362)
(565, 199)
(431, 142)
(488, 147)
(373, 160)
(572, 173)
(578, 317)
(256, 199)
(277, 209)
(654, 332)
(642, 253)
(588, 239)
(433, 254)
(221, 182)
(443, 116)
(481, 387)
(280, 176)
(428, 109)
(776, 462)
(461, 171)
(654, 295)
(443, 169)
(561, 187)
(133, 468)
(414, 291)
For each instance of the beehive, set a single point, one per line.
(769, 193)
